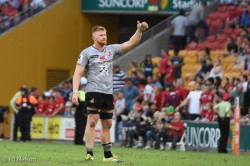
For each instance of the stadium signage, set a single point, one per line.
(137, 6)
(203, 137)
(122, 3)
(177, 4)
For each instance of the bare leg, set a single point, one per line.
(90, 129)
(105, 133)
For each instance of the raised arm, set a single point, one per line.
(76, 82)
(135, 39)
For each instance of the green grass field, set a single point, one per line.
(68, 154)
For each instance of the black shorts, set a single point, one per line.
(99, 100)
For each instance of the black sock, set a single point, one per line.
(90, 151)
(107, 151)
(107, 154)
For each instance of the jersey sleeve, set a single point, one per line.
(83, 59)
(33, 100)
(116, 48)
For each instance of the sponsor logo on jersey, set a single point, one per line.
(80, 58)
(93, 56)
(102, 58)
(92, 100)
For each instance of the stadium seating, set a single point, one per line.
(12, 14)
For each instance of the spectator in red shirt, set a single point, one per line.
(51, 106)
(163, 66)
(207, 97)
(169, 78)
(180, 89)
(59, 102)
(173, 99)
(176, 129)
(41, 106)
(165, 94)
(208, 115)
(158, 97)
(6, 8)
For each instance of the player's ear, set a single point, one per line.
(94, 36)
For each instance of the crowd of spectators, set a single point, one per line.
(150, 100)
(12, 12)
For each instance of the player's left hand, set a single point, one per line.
(142, 26)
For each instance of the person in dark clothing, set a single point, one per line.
(217, 84)
(178, 63)
(80, 115)
(26, 104)
(3, 114)
(15, 112)
(223, 110)
(246, 104)
(148, 66)
(80, 122)
(206, 67)
(232, 47)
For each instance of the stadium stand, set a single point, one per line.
(14, 12)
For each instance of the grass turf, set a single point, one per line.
(68, 154)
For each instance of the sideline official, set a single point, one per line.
(16, 111)
(25, 104)
(224, 112)
(81, 114)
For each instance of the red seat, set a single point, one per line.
(223, 16)
(202, 45)
(213, 45)
(213, 16)
(222, 38)
(191, 46)
(228, 31)
(222, 46)
(222, 9)
(234, 36)
(237, 31)
(218, 23)
(211, 38)
(213, 30)
(231, 8)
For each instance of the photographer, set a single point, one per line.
(149, 124)
(176, 129)
(26, 106)
(161, 126)
(3, 114)
(132, 121)
(15, 111)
